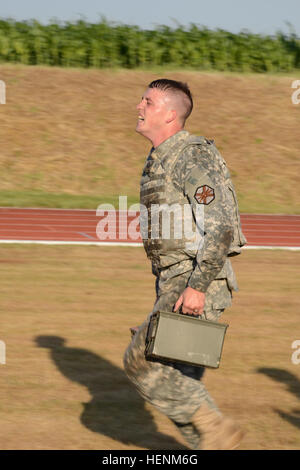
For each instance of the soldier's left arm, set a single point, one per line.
(206, 191)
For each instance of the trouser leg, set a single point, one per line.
(166, 387)
(189, 433)
(174, 389)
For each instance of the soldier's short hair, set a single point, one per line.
(175, 86)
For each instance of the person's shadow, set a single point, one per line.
(116, 409)
(293, 385)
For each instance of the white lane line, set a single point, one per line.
(133, 244)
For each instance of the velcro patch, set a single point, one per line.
(204, 194)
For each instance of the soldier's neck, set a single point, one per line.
(159, 139)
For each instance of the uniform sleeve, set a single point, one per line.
(207, 195)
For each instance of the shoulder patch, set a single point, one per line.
(204, 194)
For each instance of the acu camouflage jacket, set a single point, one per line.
(186, 183)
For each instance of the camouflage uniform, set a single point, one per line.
(185, 170)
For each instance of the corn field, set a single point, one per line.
(104, 44)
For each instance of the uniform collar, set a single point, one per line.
(166, 146)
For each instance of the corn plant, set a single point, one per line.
(104, 44)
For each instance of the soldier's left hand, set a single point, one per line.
(192, 302)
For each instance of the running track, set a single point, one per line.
(61, 226)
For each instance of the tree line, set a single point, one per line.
(105, 44)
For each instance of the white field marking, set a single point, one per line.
(58, 242)
(133, 244)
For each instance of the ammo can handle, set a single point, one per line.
(194, 316)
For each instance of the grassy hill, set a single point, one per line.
(68, 135)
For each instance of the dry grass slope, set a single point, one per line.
(71, 131)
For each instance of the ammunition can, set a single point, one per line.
(183, 338)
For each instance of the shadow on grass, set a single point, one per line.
(115, 410)
(292, 383)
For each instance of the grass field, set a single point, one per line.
(66, 313)
(68, 135)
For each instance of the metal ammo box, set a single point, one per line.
(183, 338)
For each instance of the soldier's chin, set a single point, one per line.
(139, 127)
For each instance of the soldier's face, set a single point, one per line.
(154, 112)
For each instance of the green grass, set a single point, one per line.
(8, 198)
(60, 201)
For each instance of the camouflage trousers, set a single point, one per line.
(174, 389)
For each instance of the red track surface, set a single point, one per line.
(60, 225)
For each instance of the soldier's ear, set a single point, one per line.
(172, 116)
